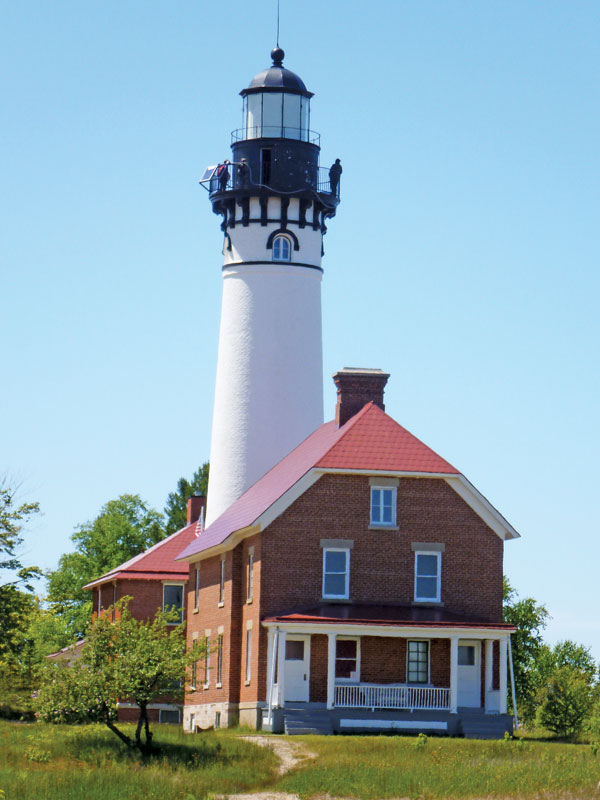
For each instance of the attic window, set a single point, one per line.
(383, 506)
(282, 248)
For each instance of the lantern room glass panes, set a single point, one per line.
(276, 115)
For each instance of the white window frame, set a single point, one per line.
(193, 676)
(220, 639)
(248, 655)
(182, 585)
(250, 576)
(207, 662)
(276, 246)
(222, 583)
(356, 678)
(419, 641)
(381, 523)
(438, 596)
(346, 594)
(196, 587)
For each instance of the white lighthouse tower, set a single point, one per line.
(274, 200)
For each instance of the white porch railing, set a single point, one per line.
(386, 696)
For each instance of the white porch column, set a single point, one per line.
(271, 644)
(454, 675)
(503, 674)
(281, 669)
(331, 651)
(489, 672)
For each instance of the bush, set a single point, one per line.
(565, 702)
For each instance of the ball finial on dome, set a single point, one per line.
(277, 55)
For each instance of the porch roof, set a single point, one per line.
(399, 615)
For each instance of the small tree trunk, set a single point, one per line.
(143, 722)
(112, 727)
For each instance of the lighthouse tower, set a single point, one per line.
(274, 200)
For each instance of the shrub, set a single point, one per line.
(565, 701)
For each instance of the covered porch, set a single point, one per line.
(385, 667)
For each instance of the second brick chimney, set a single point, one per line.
(195, 504)
(355, 388)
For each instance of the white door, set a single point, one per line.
(469, 674)
(297, 662)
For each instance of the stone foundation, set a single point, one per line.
(209, 715)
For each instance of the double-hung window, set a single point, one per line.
(250, 580)
(336, 573)
(428, 577)
(173, 601)
(347, 659)
(417, 666)
(383, 505)
(222, 583)
(196, 586)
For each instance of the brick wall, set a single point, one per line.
(382, 561)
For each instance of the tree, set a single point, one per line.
(12, 518)
(124, 528)
(565, 701)
(176, 505)
(126, 659)
(529, 618)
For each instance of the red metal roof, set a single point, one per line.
(397, 615)
(156, 563)
(376, 441)
(370, 440)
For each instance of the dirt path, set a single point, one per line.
(290, 754)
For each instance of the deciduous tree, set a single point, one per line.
(123, 528)
(124, 659)
(176, 505)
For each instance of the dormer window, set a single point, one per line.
(282, 248)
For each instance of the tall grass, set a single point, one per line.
(88, 762)
(383, 766)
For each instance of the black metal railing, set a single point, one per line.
(276, 132)
(234, 176)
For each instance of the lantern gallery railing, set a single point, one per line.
(233, 176)
(386, 696)
(276, 132)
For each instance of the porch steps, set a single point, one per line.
(309, 721)
(477, 725)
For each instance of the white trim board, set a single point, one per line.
(400, 724)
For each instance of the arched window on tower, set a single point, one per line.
(282, 248)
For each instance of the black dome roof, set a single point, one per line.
(277, 78)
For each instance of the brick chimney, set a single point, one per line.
(195, 504)
(355, 388)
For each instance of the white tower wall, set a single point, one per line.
(269, 386)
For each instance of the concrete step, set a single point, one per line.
(316, 723)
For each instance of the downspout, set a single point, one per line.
(512, 684)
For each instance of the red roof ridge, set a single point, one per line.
(347, 426)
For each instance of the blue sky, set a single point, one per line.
(463, 260)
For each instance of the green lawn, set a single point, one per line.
(88, 763)
(396, 766)
(47, 762)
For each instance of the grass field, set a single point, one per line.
(370, 767)
(89, 763)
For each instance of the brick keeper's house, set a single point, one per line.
(357, 586)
